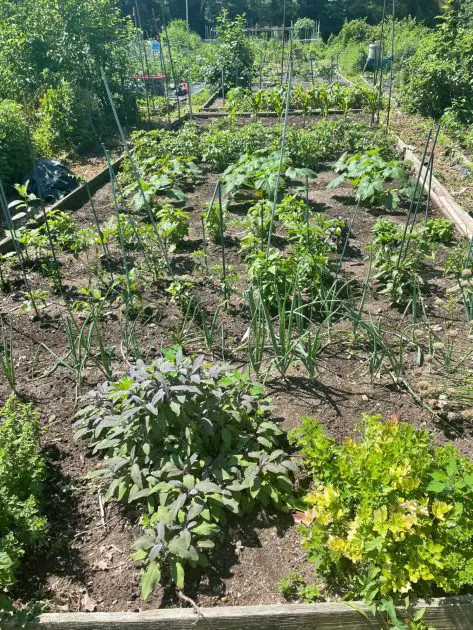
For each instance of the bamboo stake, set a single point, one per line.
(388, 117)
(135, 171)
(19, 254)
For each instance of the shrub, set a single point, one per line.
(67, 119)
(438, 76)
(15, 149)
(387, 516)
(187, 444)
(22, 473)
(232, 54)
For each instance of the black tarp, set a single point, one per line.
(55, 180)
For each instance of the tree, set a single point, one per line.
(232, 55)
(43, 42)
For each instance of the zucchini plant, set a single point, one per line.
(370, 173)
(259, 173)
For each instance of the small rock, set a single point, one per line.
(88, 604)
(365, 398)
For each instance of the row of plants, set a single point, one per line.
(306, 100)
(293, 295)
(222, 143)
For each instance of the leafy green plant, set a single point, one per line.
(294, 587)
(15, 156)
(61, 229)
(368, 173)
(38, 297)
(22, 475)
(187, 444)
(67, 119)
(212, 220)
(259, 172)
(388, 516)
(257, 224)
(7, 360)
(440, 230)
(399, 257)
(232, 54)
(161, 176)
(173, 225)
(273, 273)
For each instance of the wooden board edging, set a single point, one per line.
(218, 113)
(210, 101)
(446, 203)
(73, 201)
(444, 614)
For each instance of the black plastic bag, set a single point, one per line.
(55, 180)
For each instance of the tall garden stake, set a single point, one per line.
(381, 50)
(281, 160)
(222, 244)
(135, 171)
(391, 80)
(16, 245)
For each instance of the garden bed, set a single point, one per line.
(87, 567)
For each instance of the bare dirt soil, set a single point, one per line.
(86, 564)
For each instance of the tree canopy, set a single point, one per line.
(331, 13)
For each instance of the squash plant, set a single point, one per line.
(369, 173)
(258, 172)
(186, 444)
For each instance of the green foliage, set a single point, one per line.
(186, 51)
(173, 225)
(262, 172)
(368, 173)
(44, 44)
(438, 77)
(221, 144)
(159, 143)
(22, 474)
(294, 587)
(304, 27)
(258, 221)
(68, 118)
(440, 231)
(399, 256)
(15, 146)
(187, 444)
(61, 229)
(388, 516)
(232, 55)
(161, 176)
(213, 222)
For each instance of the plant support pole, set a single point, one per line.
(283, 147)
(135, 171)
(388, 117)
(283, 39)
(189, 72)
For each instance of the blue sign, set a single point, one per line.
(155, 46)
